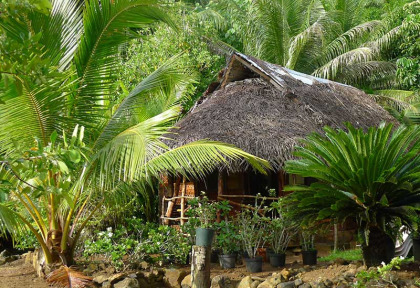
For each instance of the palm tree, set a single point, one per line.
(57, 72)
(329, 39)
(371, 178)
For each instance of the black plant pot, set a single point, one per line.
(268, 252)
(214, 258)
(227, 261)
(309, 257)
(416, 249)
(204, 236)
(254, 265)
(277, 260)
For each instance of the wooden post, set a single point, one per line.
(335, 237)
(184, 188)
(200, 267)
(281, 183)
(220, 184)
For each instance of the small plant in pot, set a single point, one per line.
(227, 238)
(253, 228)
(309, 253)
(283, 229)
(204, 210)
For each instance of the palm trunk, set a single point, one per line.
(380, 248)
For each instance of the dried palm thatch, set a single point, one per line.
(265, 109)
(69, 278)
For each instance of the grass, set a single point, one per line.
(348, 255)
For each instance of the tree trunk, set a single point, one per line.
(381, 248)
(200, 267)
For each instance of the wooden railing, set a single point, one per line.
(237, 204)
(171, 203)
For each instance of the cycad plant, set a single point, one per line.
(370, 177)
(57, 72)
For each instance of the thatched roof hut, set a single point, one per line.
(265, 109)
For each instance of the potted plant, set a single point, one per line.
(253, 225)
(227, 240)
(205, 211)
(282, 228)
(227, 237)
(309, 253)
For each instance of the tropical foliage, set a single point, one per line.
(57, 71)
(370, 177)
(353, 42)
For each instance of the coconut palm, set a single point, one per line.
(370, 177)
(57, 72)
(329, 39)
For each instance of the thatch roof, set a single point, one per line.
(265, 109)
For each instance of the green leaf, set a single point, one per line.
(75, 156)
(63, 167)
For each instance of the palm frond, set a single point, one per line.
(158, 92)
(211, 15)
(373, 74)
(125, 155)
(64, 31)
(107, 25)
(70, 278)
(9, 221)
(335, 66)
(350, 39)
(298, 42)
(34, 113)
(199, 158)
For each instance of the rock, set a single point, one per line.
(173, 277)
(290, 284)
(255, 284)
(298, 282)
(106, 284)
(320, 285)
(127, 283)
(100, 279)
(34, 258)
(144, 265)
(221, 281)
(272, 281)
(341, 261)
(116, 277)
(110, 270)
(5, 253)
(350, 273)
(305, 285)
(28, 257)
(342, 285)
(285, 274)
(186, 282)
(245, 282)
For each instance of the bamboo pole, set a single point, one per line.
(184, 188)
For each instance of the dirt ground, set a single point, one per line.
(17, 274)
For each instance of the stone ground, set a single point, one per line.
(17, 274)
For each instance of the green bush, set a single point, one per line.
(136, 242)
